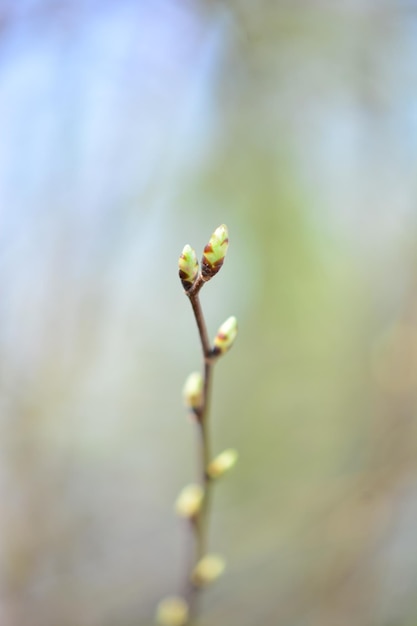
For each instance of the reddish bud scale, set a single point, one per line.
(225, 337)
(187, 267)
(222, 338)
(186, 283)
(209, 269)
(214, 252)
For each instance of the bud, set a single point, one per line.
(214, 252)
(188, 267)
(222, 463)
(172, 611)
(226, 335)
(193, 391)
(208, 569)
(189, 501)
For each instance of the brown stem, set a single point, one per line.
(200, 522)
(201, 324)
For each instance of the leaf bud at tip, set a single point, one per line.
(172, 611)
(214, 252)
(188, 267)
(189, 501)
(222, 463)
(226, 335)
(193, 391)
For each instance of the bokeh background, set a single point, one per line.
(127, 129)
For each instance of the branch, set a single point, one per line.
(193, 503)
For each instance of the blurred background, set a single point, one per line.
(129, 128)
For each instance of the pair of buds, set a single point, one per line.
(211, 262)
(190, 274)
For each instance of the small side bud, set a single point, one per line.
(208, 569)
(188, 267)
(193, 391)
(214, 253)
(188, 503)
(222, 463)
(226, 335)
(172, 611)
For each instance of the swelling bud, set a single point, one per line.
(222, 463)
(214, 253)
(188, 267)
(189, 501)
(193, 391)
(172, 611)
(208, 569)
(226, 336)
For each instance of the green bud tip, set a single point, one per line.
(214, 252)
(193, 391)
(226, 335)
(188, 267)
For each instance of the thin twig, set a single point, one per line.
(201, 324)
(200, 523)
(193, 503)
